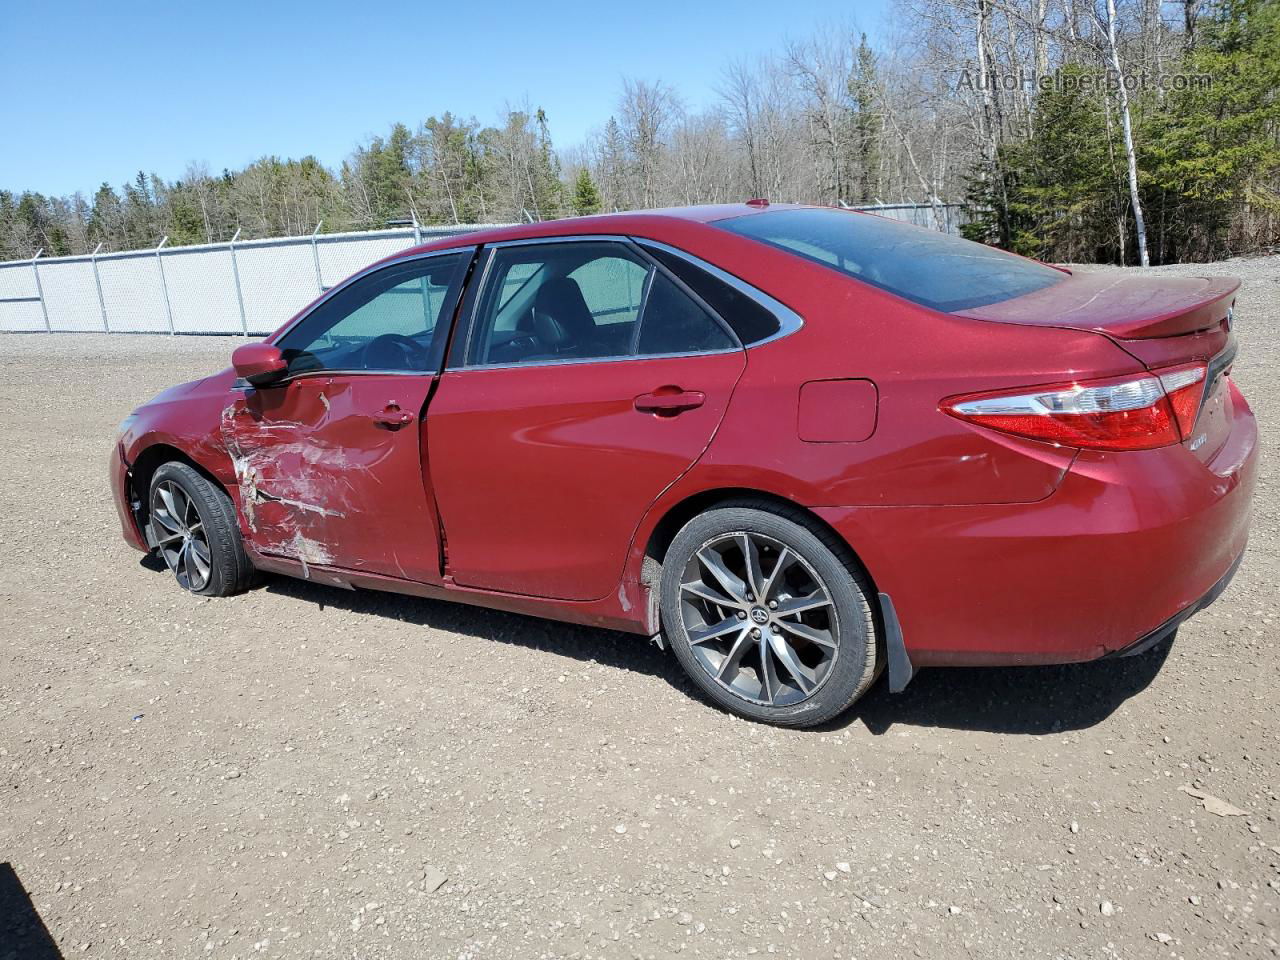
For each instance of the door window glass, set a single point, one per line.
(395, 319)
(612, 288)
(584, 300)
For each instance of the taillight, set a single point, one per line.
(1184, 386)
(1129, 413)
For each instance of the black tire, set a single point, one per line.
(228, 569)
(840, 669)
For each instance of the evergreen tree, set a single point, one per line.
(1059, 185)
(106, 220)
(1214, 153)
(448, 165)
(864, 95)
(11, 246)
(549, 190)
(139, 213)
(613, 167)
(586, 198)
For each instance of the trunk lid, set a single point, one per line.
(1120, 305)
(1160, 321)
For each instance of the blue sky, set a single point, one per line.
(98, 91)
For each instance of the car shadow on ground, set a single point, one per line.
(20, 925)
(1018, 700)
(1014, 700)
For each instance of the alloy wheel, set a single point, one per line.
(181, 536)
(759, 619)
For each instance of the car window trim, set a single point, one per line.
(488, 252)
(479, 367)
(243, 384)
(644, 302)
(476, 297)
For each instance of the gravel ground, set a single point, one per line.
(302, 771)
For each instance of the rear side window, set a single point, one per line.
(926, 267)
(673, 323)
(750, 320)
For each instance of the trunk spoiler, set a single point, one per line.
(1121, 305)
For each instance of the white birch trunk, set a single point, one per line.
(1126, 126)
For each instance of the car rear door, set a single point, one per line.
(589, 380)
(329, 460)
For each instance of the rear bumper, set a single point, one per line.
(121, 495)
(1128, 545)
(1170, 626)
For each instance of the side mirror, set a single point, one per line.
(259, 363)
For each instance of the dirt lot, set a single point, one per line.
(294, 772)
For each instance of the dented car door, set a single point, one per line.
(329, 460)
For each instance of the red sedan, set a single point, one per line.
(800, 444)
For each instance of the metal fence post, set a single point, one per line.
(315, 255)
(164, 287)
(44, 308)
(97, 282)
(235, 273)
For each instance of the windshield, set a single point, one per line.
(933, 269)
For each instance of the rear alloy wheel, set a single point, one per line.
(766, 616)
(192, 522)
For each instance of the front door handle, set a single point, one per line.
(669, 402)
(392, 417)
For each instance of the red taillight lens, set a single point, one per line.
(1129, 413)
(1184, 386)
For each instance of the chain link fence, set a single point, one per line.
(241, 287)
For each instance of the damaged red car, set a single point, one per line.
(802, 445)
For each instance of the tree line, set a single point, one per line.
(1121, 131)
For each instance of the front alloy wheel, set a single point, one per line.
(180, 536)
(192, 522)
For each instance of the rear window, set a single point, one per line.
(933, 269)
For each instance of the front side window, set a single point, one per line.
(395, 320)
(926, 267)
(584, 300)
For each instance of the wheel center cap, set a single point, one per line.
(759, 614)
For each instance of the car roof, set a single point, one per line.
(627, 222)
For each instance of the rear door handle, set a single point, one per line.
(670, 402)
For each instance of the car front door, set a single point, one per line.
(329, 459)
(588, 381)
